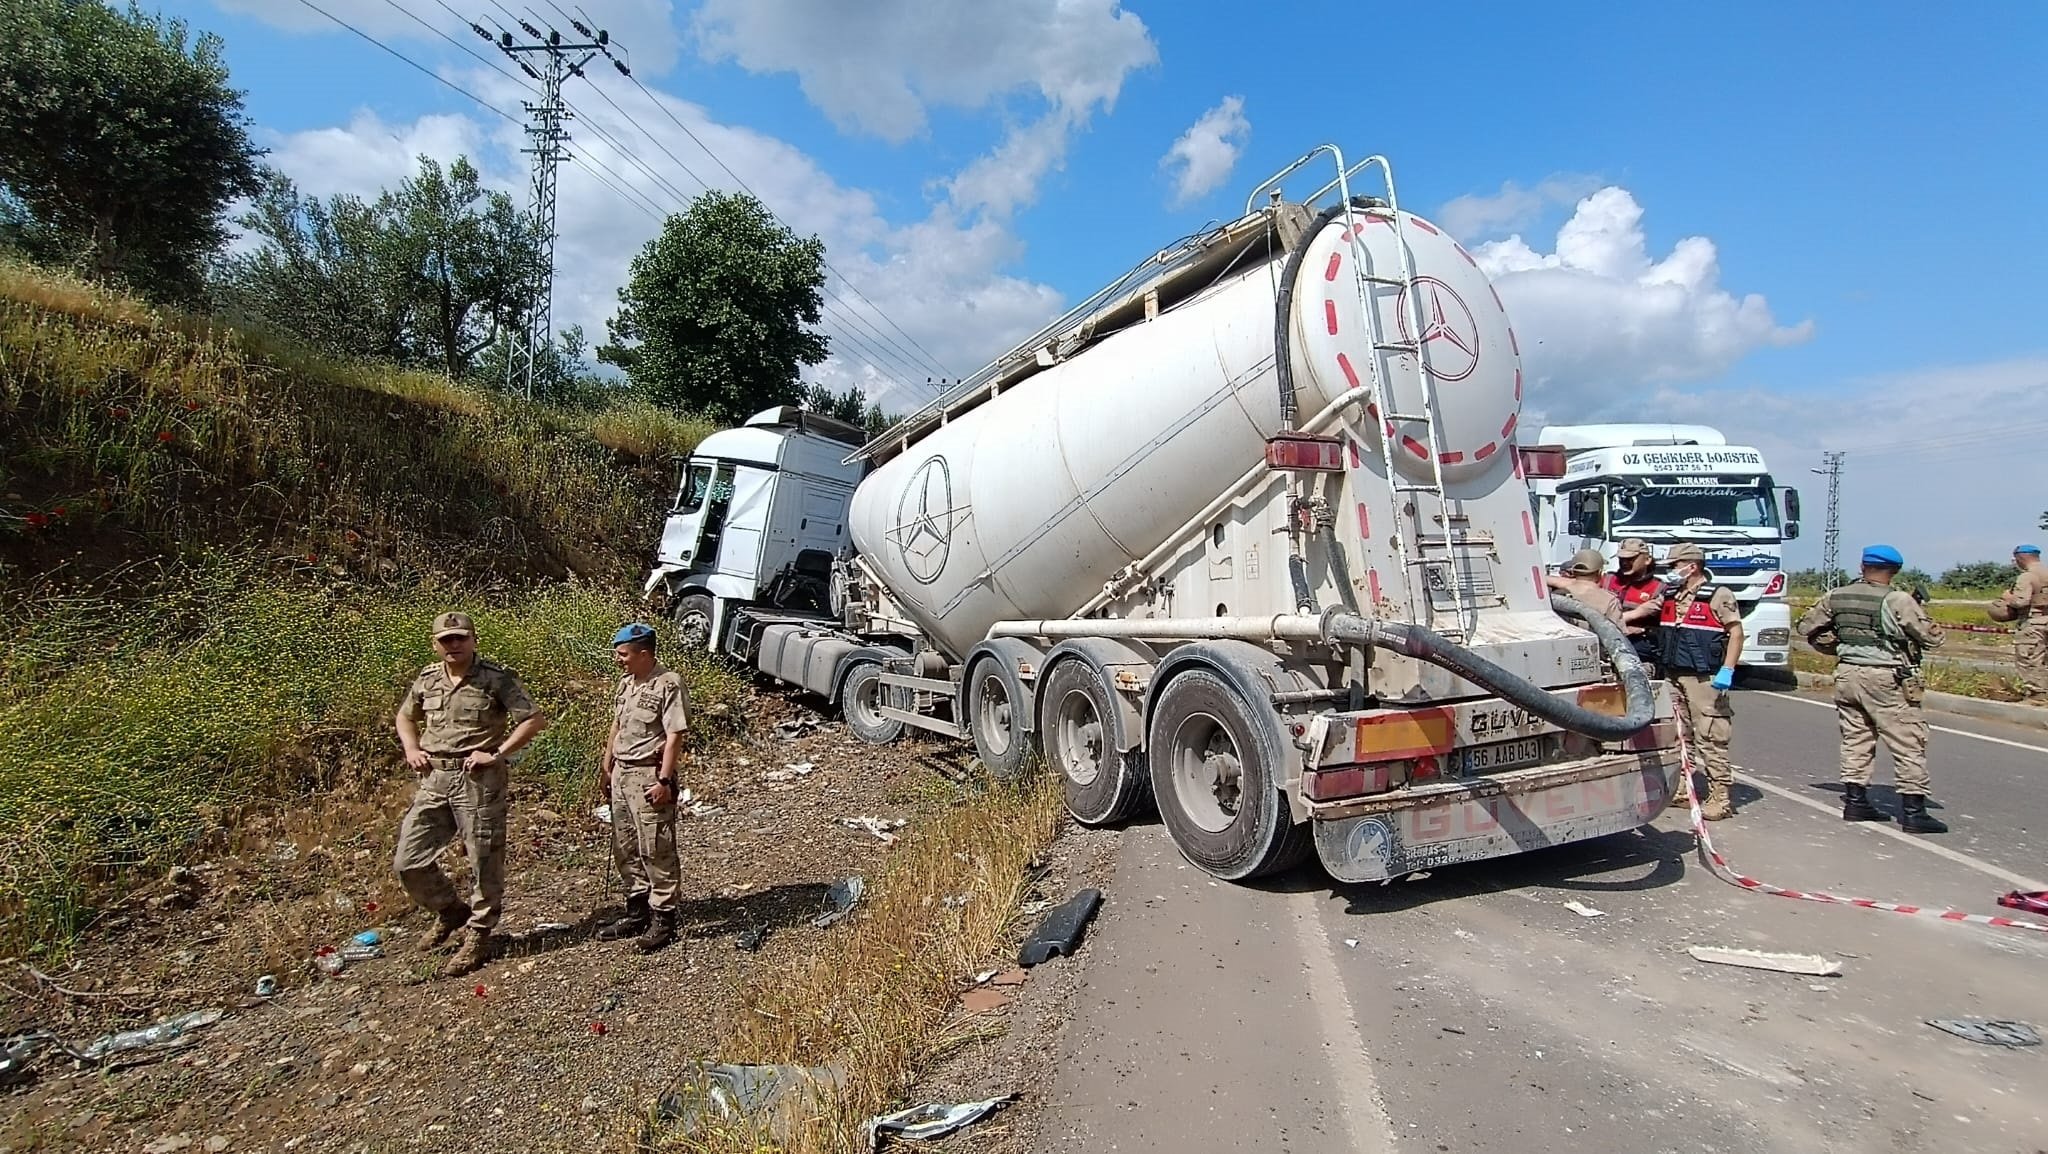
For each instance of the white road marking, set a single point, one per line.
(1358, 1098)
(1936, 728)
(1957, 856)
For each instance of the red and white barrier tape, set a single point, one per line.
(1719, 867)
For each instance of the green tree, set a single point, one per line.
(1978, 575)
(431, 273)
(121, 143)
(850, 406)
(2043, 522)
(715, 315)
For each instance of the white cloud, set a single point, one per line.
(878, 66)
(1939, 459)
(940, 278)
(1597, 314)
(1206, 153)
(1002, 181)
(642, 29)
(1473, 218)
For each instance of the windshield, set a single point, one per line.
(1693, 507)
(695, 484)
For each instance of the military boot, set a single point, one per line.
(661, 930)
(630, 924)
(446, 924)
(1913, 816)
(476, 946)
(1717, 807)
(1856, 804)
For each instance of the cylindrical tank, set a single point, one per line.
(1024, 506)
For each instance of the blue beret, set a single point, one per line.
(633, 632)
(1882, 555)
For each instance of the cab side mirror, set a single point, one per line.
(1792, 508)
(1791, 530)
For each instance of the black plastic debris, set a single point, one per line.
(18, 1054)
(750, 940)
(1988, 1032)
(1060, 932)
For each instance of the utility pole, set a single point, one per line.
(1831, 542)
(548, 135)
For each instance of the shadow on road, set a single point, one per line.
(1641, 859)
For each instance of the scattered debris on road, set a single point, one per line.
(986, 999)
(790, 772)
(924, 1123)
(1989, 1032)
(169, 1034)
(881, 827)
(2034, 902)
(1583, 910)
(840, 900)
(1812, 964)
(750, 940)
(603, 813)
(1061, 930)
(779, 1096)
(798, 726)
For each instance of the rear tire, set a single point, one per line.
(995, 719)
(1077, 727)
(860, 699)
(693, 622)
(1213, 776)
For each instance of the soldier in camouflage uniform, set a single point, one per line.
(1877, 634)
(2028, 600)
(454, 723)
(650, 716)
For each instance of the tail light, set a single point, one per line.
(1302, 451)
(1777, 585)
(1542, 461)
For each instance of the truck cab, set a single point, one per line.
(1671, 483)
(758, 519)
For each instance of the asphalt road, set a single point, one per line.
(1470, 1010)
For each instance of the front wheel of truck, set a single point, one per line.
(1213, 778)
(861, 698)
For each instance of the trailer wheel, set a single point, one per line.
(1213, 777)
(693, 621)
(995, 719)
(1077, 726)
(861, 700)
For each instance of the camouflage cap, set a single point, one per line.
(1634, 547)
(1685, 551)
(449, 623)
(1586, 563)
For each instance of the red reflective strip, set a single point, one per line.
(1330, 315)
(1364, 523)
(1424, 225)
(1496, 298)
(1528, 529)
(1514, 346)
(1487, 450)
(1517, 456)
(1353, 446)
(1336, 262)
(1416, 447)
(1352, 232)
(1508, 430)
(1350, 374)
(1467, 256)
(1542, 590)
(1453, 458)
(1372, 582)
(1518, 382)
(1372, 409)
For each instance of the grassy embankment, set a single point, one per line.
(218, 558)
(1963, 607)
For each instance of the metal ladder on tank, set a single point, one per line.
(1381, 394)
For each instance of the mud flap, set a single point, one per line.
(1467, 825)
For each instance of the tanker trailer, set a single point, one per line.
(1247, 536)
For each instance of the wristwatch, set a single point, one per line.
(670, 782)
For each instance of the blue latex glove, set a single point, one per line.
(1724, 680)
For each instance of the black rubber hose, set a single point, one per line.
(1427, 645)
(1304, 597)
(1283, 309)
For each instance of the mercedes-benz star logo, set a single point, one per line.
(925, 518)
(1450, 335)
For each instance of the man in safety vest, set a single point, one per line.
(2028, 600)
(1635, 581)
(1877, 634)
(1702, 641)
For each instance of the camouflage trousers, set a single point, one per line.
(452, 802)
(2030, 653)
(644, 838)
(1710, 720)
(1871, 704)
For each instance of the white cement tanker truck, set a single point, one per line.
(1246, 535)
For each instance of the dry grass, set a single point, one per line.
(1941, 678)
(648, 433)
(879, 1004)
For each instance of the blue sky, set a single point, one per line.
(1865, 180)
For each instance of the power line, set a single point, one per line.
(932, 360)
(409, 60)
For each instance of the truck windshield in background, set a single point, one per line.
(1692, 506)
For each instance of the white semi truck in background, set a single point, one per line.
(1671, 483)
(1245, 535)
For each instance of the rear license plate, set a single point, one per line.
(1499, 755)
